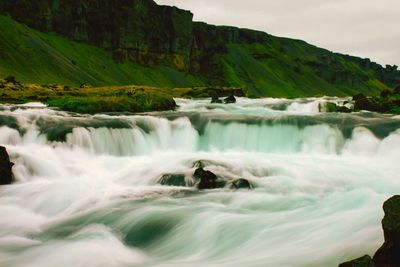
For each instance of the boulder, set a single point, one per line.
(362, 102)
(230, 99)
(6, 176)
(241, 184)
(389, 254)
(208, 180)
(172, 180)
(365, 261)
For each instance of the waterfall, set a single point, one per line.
(87, 189)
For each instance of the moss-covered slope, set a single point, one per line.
(37, 57)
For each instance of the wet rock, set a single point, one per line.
(172, 180)
(230, 99)
(362, 102)
(6, 176)
(215, 100)
(241, 184)
(365, 261)
(389, 254)
(344, 109)
(208, 180)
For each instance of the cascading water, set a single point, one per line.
(87, 191)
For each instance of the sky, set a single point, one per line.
(365, 28)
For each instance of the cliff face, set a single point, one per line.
(138, 30)
(142, 32)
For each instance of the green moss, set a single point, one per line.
(96, 104)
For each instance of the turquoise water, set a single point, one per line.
(87, 191)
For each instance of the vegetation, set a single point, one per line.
(42, 58)
(261, 64)
(104, 99)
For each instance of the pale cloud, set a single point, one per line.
(365, 28)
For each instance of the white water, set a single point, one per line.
(88, 196)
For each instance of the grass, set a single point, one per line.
(43, 58)
(105, 99)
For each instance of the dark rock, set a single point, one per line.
(344, 109)
(172, 180)
(365, 261)
(208, 180)
(367, 103)
(385, 93)
(6, 176)
(358, 97)
(389, 254)
(230, 99)
(215, 100)
(241, 184)
(396, 90)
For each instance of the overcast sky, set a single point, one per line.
(366, 28)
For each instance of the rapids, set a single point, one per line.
(87, 192)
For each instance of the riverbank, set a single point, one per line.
(87, 99)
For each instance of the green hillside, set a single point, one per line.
(45, 58)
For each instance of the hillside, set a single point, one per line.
(104, 42)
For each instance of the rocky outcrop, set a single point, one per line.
(208, 180)
(6, 175)
(388, 101)
(389, 254)
(139, 30)
(172, 180)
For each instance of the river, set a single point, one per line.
(87, 189)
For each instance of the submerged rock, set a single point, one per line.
(173, 180)
(389, 254)
(365, 261)
(6, 176)
(241, 184)
(230, 99)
